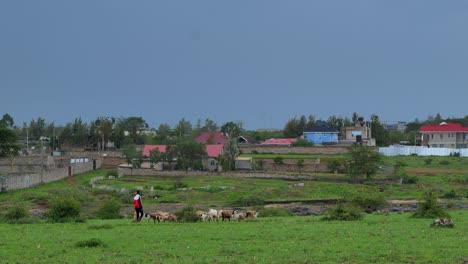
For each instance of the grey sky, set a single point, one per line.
(261, 62)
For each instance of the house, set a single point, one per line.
(360, 132)
(210, 163)
(321, 135)
(279, 141)
(444, 135)
(212, 138)
(246, 140)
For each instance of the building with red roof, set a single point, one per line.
(444, 135)
(279, 141)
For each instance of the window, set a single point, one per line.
(441, 136)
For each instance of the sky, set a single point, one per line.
(258, 62)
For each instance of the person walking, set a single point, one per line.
(138, 206)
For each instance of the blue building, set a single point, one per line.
(321, 134)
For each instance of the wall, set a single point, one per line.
(290, 165)
(327, 150)
(421, 151)
(45, 169)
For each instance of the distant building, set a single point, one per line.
(399, 126)
(321, 135)
(444, 135)
(279, 141)
(360, 133)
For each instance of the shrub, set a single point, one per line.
(278, 160)
(428, 161)
(367, 202)
(248, 201)
(334, 165)
(274, 212)
(444, 162)
(64, 209)
(344, 212)
(450, 195)
(179, 184)
(110, 209)
(15, 213)
(303, 143)
(405, 178)
(93, 242)
(187, 214)
(429, 207)
(111, 173)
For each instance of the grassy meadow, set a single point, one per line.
(392, 238)
(377, 238)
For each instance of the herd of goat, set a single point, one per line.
(210, 215)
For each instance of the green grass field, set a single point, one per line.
(394, 238)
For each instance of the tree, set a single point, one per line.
(133, 156)
(291, 129)
(104, 127)
(210, 126)
(183, 128)
(8, 145)
(231, 151)
(7, 121)
(155, 156)
(189, 154)
(378, 131)
(133, 125)
(363, 160)
(164, 135)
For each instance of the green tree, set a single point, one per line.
(183, 128)
(7, 121)
(8, 145)
(291, 129)
(378, 131)
(164, 135)
(231, 150)
(189, 154)
(132, 155)
(133, 125)
(363, 160)
(210, 126)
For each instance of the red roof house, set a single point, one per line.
(444, 135)
(148, 148)
(279, 141)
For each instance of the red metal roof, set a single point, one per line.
(444, 127)
(279, 141)
(148, 148)
(212, 137)
(214, 151)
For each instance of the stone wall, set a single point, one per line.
(31, 171)
(267, 149)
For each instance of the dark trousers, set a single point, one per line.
(139, 212)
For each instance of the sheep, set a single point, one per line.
(227, 214)
(213, 214)
(251, 214)
(202, 215)
(238, 215)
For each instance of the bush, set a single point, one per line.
(344, 212)
(302, 143)
(367, 202)
(405, 178)
(444, 162)
(64, 209)
(111, 173)
(274, 212)
(428, 161)
(334, 165)
(450, 195)
(429, 207)
(177, 185)
(248, 201)
(110, 209)
(14, 213)
(93, 242)
(187, 214)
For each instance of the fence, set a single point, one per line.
(421, 151)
